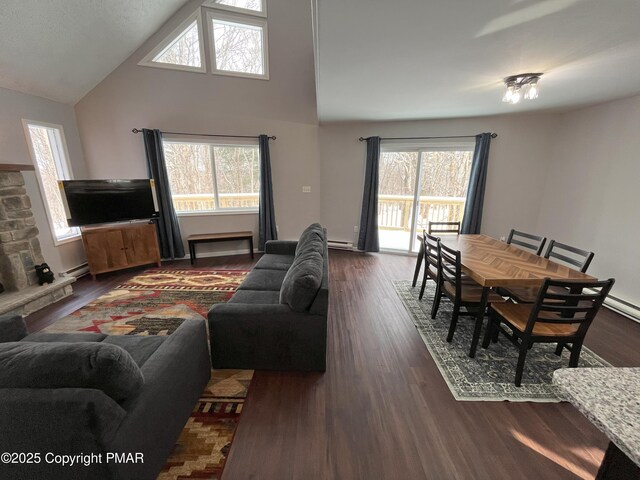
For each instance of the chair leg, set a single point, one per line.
(575, 354)
(489, 334)
(418, 265)
(436, 301)
(559, 348)
(454, 322)
(425, 277)
(524, 348)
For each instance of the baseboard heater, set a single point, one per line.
(623, 307)
(339, 245)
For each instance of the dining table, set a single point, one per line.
(493, 263)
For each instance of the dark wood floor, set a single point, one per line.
(382, 409)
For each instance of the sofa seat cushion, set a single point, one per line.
(302, 282)
(275, 261)
(262, 297)
(71, 337)
(95, 365)
(263, 279)
(139, 347)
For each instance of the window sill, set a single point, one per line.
(219, 212)
(75, 238)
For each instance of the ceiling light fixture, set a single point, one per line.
(519, 86)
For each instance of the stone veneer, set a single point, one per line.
(19, 245)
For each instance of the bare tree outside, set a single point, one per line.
(255, 5)
(238, 47)
(41, 140)
(185, 50)
(194, 182)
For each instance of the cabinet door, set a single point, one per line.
(105, 250)
(140, 244)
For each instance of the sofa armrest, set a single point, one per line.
(12, 328)
(281, 247)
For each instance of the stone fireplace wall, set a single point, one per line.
(19, 246)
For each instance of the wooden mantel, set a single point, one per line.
(15, 167)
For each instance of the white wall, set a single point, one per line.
(15, 106)
(137, 96)
(517, 167)
(590, 195)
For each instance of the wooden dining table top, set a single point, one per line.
(493, 263)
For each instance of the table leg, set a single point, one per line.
(251, 246)
(192, 252)
(418, 264)
(479, 320)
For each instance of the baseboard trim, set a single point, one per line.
(623, 307)
(77, 271)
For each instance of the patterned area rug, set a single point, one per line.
(156, 303)
(490, 375)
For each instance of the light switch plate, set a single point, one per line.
(306, 189)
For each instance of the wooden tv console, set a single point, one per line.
(118, 246)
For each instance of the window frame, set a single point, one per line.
(246, 11)
(241, 19)
(168, 41)
(61, 159)
(211, 143)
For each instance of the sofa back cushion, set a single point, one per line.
(96, 365)
(311, 240)
(302, 281)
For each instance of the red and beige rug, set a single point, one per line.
(156, 303)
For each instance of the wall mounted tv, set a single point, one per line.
(91, 202)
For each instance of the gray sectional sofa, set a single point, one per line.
(75, 393)
(277, 319)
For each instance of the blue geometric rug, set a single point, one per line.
(489, 376)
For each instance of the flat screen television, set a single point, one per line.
(91, 202)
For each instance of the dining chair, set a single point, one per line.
(444, 227)
(462, 293)
(571, 256)
(430, 247)
(560, 316)
(416, 272)
(526, 240)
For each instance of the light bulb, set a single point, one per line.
(532, 91)
(508, 94)
(515, 96)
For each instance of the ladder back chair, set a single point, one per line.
(526, 240)
(571, 256)
(430, 247)
(461, 293)
(562, 313)
(416, 272)
(452, 228)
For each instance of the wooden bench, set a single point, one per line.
(217, 237)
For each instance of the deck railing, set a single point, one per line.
(205, 201)
(396, 211)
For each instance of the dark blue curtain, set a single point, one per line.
(168, 227)
(266, 213)
(368, 237)
(477, 181)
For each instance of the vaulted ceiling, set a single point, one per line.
(407, 59)
(61, 49)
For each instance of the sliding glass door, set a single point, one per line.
(419, 184)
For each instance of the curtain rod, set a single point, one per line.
(362, 139)
(139, 130)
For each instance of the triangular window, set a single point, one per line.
(181, 50)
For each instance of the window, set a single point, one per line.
(181, 50)
(49, 152)
(239, 45)
(419, 184)
(254, 7)
(213, 177)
